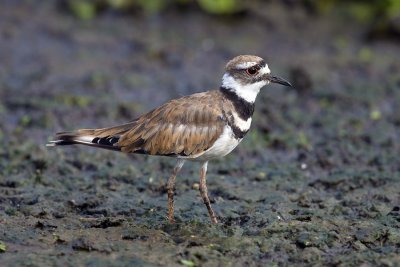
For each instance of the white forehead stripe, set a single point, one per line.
(265, 70)
(246, 65)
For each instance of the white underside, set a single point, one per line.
(222, 147)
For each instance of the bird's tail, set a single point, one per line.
(106, 138)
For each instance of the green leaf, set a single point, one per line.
(394, 8)
(3, 247)
(188, 263)
(83, 9)
(152, 6)
(120, 4)
(220, 6)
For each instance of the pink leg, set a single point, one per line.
(204, 192)
(171, 189)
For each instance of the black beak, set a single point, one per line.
(275, 79)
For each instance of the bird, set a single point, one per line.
(198, 127)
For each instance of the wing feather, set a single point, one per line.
(182, 127)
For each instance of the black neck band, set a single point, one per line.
(243, 108)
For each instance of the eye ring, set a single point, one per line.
(252, 70)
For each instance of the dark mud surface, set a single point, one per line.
(315, 182)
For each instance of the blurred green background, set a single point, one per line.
(381, 13)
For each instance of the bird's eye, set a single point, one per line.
(252, 70)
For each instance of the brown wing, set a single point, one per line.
(185, 126)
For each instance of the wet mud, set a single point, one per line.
(315, 182)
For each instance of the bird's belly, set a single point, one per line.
(222, 146)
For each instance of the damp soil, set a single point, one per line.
(315, 182)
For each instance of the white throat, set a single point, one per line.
(247, 92)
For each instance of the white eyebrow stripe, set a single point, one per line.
(246, 65)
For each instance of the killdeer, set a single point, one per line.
(198, 127)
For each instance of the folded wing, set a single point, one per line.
(181, 127)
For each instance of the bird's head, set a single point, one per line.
(246, 75)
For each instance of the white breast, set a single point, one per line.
(243, 125)
(222, 147)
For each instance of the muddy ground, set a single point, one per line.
(315, 182)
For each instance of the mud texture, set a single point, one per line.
(316, 182)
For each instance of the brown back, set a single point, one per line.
(185, 126)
